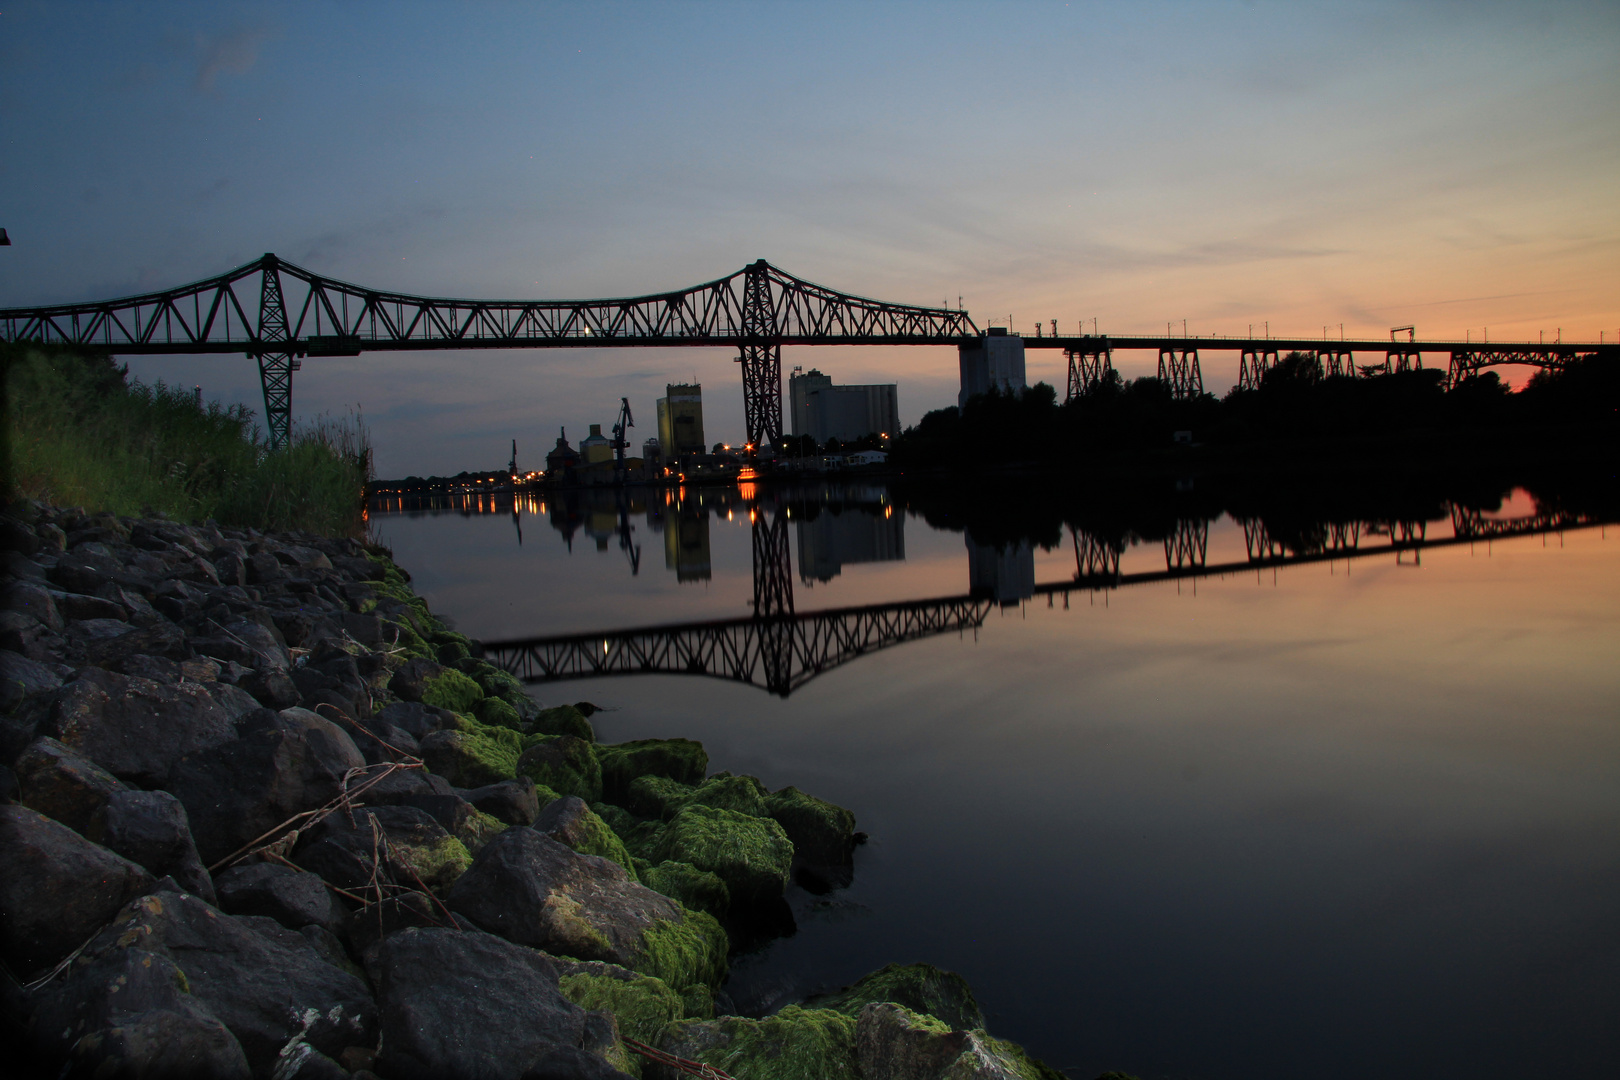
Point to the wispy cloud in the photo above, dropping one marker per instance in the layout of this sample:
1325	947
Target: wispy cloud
234	53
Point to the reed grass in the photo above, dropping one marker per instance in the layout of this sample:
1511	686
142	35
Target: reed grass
78	432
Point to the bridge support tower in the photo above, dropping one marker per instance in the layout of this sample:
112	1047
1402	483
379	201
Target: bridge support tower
1253	365
1178	369
1088	366
1336	362
275	368
761	360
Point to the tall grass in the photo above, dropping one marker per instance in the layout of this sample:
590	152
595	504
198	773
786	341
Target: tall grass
80	434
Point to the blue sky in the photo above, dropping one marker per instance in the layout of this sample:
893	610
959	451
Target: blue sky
1449	165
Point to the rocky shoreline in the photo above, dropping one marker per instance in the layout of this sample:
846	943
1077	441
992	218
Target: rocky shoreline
263	814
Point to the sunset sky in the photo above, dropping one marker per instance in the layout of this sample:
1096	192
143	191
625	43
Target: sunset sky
1454	166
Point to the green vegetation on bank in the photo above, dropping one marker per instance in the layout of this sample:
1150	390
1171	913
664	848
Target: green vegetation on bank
77	432
1293	405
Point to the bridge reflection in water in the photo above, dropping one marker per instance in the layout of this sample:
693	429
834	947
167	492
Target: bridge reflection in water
780	649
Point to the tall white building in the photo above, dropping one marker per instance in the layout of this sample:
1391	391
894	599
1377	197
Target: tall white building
997	360
823	411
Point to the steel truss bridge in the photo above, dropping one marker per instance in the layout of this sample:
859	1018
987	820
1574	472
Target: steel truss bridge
278	313
780	650
1090	357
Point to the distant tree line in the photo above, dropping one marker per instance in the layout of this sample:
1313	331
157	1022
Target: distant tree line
1293	404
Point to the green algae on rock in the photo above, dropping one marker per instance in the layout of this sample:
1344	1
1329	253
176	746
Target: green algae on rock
691	951
562	720
793	1044
452	690
893	1041
751	855
479	829
643	1004
564	763
683	760
697	889
494	712
661	797
820	831
474	754
570	821
922	988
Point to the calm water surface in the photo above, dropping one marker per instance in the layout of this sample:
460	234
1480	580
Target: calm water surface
1347	818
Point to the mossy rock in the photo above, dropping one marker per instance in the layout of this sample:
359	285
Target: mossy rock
820	831
562	720
618	818
474	754
495	682
643	1005
438	860
751	855
1018	1060
723	791
661	797
899	1037
404	636
697	889
656	796
451	652
794	1044
578	826
698	1002
497	713
563	763
480	829
690	951
922	988
679	759
452	690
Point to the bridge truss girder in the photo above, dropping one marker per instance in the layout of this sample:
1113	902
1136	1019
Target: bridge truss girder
1468	363
295	312
777	654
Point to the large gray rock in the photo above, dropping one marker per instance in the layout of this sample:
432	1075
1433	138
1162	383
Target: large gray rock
264	991
32	599
56	888
136	729
294	898
512	801
150	828
533	890
345	849
283	764
107	649
129	1014
458	1004
922	988
60	784
249	643
418	719
895	1043
22	678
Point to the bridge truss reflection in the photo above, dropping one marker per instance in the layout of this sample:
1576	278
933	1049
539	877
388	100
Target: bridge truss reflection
780	649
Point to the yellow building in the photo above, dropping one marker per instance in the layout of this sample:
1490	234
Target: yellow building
680	420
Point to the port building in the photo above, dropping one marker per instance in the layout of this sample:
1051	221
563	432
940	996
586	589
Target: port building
824	410
680	421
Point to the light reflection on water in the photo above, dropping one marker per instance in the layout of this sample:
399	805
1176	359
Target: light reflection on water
1331	819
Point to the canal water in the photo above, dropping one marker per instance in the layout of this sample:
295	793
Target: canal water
1267	792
